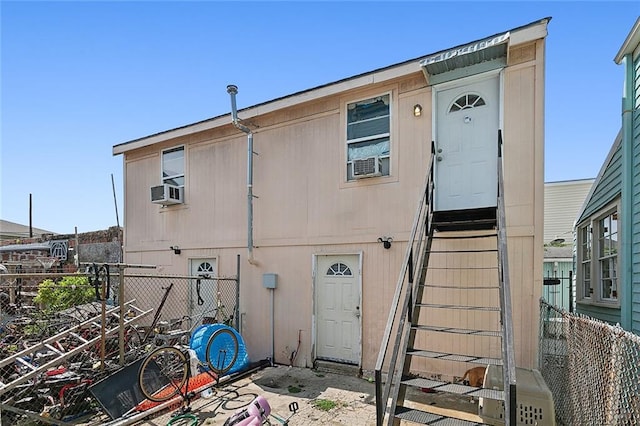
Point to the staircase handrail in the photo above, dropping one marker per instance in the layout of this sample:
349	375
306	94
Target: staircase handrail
508	356
413	256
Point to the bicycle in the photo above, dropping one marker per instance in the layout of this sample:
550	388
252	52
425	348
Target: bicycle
165	372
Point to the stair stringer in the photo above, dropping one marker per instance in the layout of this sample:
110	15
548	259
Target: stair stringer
399	393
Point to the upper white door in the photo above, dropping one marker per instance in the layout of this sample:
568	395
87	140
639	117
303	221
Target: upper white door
203	292
467	146
338	308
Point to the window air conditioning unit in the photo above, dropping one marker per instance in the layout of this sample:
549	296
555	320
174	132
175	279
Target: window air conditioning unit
166	194
366	167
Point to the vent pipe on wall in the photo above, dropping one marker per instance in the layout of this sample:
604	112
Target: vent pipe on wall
232	90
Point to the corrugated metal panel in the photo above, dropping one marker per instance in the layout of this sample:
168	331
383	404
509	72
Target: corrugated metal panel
465	60
607	188
470	54
562	203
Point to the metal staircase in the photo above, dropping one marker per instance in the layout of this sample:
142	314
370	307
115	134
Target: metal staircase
451	311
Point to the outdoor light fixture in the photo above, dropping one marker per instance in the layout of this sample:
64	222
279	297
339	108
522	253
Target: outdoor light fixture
417	110
386	242
176	249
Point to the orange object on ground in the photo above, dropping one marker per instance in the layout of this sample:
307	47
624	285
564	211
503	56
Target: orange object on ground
195	382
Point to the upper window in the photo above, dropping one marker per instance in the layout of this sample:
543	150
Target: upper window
466	101
598	258
173	166
368	137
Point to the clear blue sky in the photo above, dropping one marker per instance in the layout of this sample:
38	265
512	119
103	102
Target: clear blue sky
80	77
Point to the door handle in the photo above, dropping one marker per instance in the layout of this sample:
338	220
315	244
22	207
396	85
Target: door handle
439	158
357	311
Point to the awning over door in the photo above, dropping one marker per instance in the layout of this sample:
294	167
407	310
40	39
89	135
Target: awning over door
462	61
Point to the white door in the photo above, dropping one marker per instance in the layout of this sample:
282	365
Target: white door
467	146
202	293
338	308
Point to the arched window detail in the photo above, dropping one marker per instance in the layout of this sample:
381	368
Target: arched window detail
205	268
339	269
467	101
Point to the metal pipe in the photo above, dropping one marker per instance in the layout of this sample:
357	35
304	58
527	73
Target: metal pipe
232	90
272	327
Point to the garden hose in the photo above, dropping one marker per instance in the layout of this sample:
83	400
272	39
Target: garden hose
186	417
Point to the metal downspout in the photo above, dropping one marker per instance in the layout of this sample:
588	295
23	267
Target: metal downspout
233	90
625	284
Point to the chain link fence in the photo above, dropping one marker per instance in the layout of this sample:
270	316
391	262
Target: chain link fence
61	333
592	369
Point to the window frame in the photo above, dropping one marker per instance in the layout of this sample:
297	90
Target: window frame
347	163
597	257
166	179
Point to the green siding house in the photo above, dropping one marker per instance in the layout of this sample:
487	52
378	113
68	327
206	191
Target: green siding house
608	226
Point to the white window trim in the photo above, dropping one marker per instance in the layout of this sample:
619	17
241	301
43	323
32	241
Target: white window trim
184	165
596	299
391	135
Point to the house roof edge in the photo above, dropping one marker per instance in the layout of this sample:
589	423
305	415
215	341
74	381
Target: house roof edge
360	80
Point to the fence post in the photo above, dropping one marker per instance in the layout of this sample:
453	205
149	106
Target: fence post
236	315
122	314
571	291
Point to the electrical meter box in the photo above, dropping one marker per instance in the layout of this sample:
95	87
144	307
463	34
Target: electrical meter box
269	280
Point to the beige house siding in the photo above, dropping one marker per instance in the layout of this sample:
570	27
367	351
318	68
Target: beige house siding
306	208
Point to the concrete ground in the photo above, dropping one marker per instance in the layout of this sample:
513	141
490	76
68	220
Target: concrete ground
323	398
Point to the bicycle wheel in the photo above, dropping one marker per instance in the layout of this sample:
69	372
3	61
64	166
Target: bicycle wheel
222	350
163	373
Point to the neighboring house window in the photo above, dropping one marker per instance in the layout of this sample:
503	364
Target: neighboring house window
585	263
598	257
368	137
173	166
608	256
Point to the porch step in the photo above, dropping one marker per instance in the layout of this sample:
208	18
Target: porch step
466	331
454	357
338	368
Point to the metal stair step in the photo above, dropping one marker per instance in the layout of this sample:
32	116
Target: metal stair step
466	308
463	237
457	287
458	330
463	251
458	389
464	225
454	357
425	418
